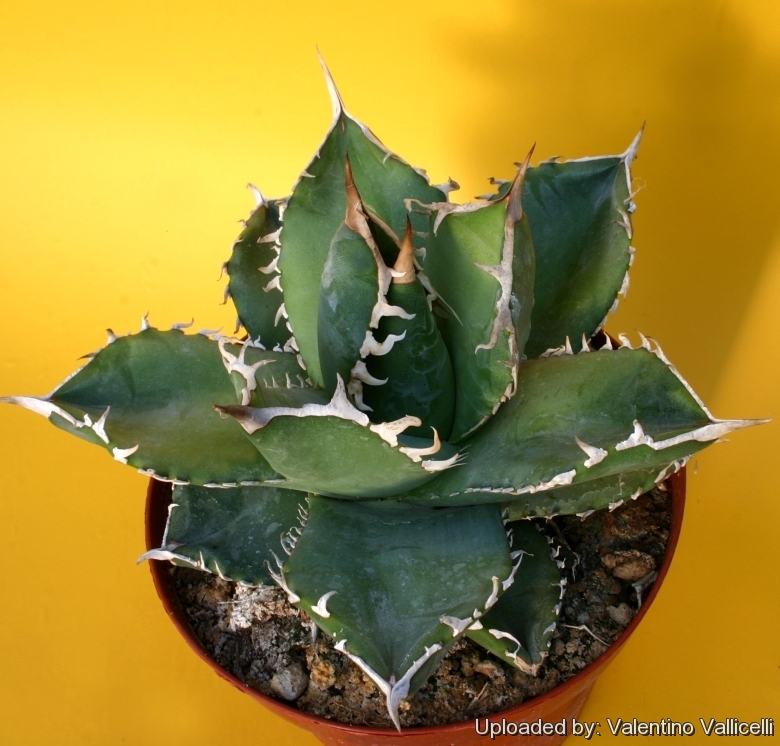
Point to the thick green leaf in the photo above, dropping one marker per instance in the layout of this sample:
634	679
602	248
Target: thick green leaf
519	628
253	276
348	294
234	533
317	208
479	259
334	449
628	408
584	497
148	399
417	370
579	215
395	584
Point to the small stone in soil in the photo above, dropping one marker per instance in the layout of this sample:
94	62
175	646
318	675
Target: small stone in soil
489	669
629	565
290	682
622	614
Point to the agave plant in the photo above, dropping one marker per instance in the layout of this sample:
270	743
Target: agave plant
418	381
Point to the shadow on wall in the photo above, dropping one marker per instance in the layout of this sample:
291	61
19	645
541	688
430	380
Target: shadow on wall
579	78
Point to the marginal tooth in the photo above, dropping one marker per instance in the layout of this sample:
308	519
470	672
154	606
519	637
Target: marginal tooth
257	194
459	626
636	438
121	454
493	597
183	325
99	427
645	342
416	454
433	466
111	336
275	284
219	572
389	431
320	608
270	237
567	350
360	372
608	344
625	222
585	347
383	308
226	295
165	554
281	311
507	584
145	322
371	347
624	287
270	267
355	390
449	186
595	455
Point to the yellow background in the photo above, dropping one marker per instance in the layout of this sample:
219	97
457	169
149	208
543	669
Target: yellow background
127	133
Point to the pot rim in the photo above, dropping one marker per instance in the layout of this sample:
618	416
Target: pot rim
156	513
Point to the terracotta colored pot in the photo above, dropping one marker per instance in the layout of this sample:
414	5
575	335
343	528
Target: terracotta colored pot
564	702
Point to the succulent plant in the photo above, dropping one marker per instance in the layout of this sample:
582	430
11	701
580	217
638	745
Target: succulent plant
418	382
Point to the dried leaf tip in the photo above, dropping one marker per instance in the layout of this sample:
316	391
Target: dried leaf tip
257	194
355	218
514	206
335	98
404	264
631	152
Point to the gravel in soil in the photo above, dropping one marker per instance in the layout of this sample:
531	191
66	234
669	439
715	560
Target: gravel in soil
270	645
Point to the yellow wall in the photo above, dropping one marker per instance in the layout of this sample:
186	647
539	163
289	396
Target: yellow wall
127	133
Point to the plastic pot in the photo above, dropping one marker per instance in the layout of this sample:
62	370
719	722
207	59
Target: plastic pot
562	703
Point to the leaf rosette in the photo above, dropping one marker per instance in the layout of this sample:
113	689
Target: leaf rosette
419	381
